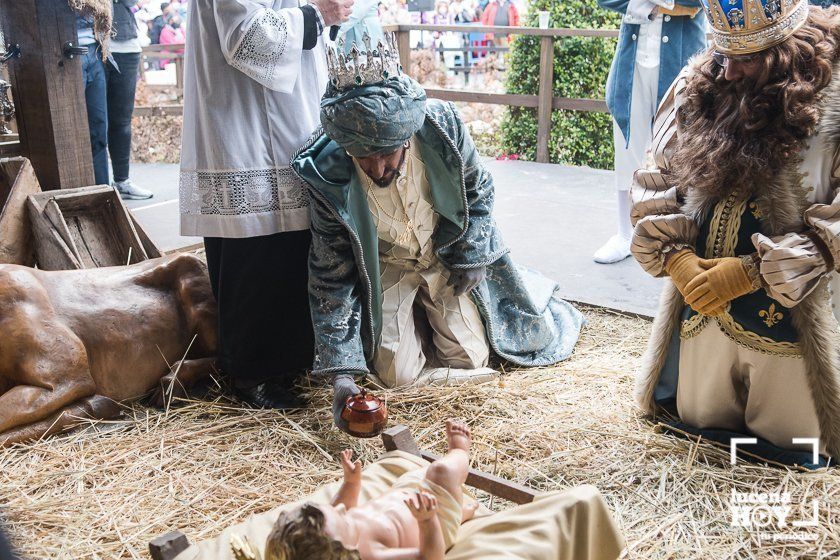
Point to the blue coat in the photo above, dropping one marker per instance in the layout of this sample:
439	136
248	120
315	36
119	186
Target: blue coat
686	36
526	323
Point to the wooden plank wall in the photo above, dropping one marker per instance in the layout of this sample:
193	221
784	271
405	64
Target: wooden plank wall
48	92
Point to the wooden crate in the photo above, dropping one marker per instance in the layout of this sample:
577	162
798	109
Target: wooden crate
88	227
17	181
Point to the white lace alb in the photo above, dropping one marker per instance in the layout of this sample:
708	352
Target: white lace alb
241	192
262	46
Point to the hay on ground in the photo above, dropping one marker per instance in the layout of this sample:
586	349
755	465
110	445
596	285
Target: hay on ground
106	491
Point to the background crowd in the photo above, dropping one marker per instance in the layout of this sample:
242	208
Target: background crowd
166	23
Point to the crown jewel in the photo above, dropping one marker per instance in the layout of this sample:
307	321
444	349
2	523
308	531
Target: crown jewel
749	26
355	67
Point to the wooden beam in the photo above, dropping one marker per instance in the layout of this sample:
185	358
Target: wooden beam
404	46
159	111
10	148
516	100
467	96
399	438
530	31
48	92
179	76
587	105
168	546
454	95
546	98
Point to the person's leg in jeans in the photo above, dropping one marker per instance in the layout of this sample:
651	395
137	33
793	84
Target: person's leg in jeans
95	99
122	84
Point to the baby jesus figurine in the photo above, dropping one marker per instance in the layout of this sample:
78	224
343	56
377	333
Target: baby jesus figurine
418	518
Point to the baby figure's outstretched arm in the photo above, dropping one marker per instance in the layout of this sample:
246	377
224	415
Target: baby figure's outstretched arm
348	494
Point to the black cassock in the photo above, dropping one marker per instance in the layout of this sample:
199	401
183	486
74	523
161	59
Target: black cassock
260	284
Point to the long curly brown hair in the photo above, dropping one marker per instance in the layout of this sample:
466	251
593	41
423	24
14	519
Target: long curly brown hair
741	133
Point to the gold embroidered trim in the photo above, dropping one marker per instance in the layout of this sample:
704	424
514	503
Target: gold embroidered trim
754	341
737	334
751	266
723	229
692	326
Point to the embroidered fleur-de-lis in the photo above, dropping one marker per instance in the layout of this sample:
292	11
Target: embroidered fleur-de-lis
756	211
771	316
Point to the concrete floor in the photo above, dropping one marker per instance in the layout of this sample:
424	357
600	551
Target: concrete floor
552	217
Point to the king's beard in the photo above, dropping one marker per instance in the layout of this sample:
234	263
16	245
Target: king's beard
734	134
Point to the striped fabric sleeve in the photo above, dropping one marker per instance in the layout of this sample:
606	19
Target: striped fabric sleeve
791	265
651	192
824	219
660	225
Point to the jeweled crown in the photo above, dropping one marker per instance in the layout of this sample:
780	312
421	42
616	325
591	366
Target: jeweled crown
749	26
363	64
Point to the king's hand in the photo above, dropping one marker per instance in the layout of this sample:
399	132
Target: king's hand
344	387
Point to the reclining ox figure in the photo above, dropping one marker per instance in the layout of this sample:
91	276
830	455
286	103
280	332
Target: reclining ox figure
74	343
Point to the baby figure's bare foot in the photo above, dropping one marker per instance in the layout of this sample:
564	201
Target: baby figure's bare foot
458	435
468	509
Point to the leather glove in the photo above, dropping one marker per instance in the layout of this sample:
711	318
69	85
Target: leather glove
344	387
725	280
683	267
464	280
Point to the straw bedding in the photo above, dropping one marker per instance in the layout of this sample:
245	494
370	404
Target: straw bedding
105	491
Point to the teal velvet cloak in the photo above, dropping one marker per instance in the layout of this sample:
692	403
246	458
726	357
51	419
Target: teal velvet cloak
526	322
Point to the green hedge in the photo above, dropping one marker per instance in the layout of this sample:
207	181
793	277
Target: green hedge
581	65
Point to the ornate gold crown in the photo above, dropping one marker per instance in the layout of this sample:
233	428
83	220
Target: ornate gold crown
354	67
749	26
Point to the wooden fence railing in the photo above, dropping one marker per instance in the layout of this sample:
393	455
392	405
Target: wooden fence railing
174	53
545	102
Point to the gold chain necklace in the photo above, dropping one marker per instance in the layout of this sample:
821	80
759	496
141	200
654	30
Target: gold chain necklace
405	236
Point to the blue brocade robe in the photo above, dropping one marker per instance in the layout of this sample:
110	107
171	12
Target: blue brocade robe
526	322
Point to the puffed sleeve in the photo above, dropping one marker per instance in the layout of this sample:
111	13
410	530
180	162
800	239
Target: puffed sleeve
660	226
792	265
824	219
263	43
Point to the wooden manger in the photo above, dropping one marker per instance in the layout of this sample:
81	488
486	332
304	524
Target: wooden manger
17	181
398	438
87	227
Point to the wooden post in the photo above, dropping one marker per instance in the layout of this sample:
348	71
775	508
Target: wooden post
48	92
404	46
179	75
546	98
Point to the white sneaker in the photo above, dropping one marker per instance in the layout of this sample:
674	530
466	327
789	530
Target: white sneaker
617	248
452	376
130	191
